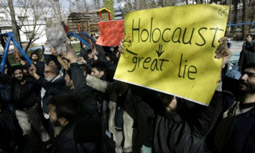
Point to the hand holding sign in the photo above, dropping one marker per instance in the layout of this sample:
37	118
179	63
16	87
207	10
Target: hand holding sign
53	52
70	54
223	51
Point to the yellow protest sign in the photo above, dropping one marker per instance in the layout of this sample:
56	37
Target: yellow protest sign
172	50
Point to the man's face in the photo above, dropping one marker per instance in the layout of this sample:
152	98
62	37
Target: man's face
52	63
96	73
247	81
53	115
18	75
48	74
34	57
249	38
169	103
90	56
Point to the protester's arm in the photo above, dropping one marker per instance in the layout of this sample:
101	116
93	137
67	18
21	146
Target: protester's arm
82	60
19	60
96	83
79	81
32	72
40	81
60	60
97	56
206	117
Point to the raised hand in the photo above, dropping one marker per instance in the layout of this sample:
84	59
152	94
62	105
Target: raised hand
70	54
223	51
53	51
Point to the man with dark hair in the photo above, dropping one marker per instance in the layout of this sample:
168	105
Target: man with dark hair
98	70
64	109
76	135
53	83
39	65
247	54
25	95
235	132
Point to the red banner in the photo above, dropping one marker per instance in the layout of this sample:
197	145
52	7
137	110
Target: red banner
111	33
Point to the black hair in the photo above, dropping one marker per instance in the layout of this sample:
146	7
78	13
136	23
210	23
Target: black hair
33	54
101	66
16	67
67	106
250	65
89	51
84	67
112	57
23	58
251	35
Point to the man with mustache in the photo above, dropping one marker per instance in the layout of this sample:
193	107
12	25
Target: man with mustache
235	132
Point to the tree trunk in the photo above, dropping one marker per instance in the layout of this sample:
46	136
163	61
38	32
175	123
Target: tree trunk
85	6
163	3
187	2
14	23
245	19
235	13
137	4
171	3
97	5
59	11
229	3
251	22
142	4
29	42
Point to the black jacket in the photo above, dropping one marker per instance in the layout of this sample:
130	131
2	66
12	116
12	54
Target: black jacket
185	131
52	88
84	93
22	96
78	137
64	142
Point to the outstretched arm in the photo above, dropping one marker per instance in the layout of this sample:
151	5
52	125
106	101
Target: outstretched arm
79	81
60	60
207	116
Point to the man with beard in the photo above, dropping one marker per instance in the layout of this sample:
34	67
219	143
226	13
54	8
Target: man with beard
235	132
65	111
39	65
247	54
25	95
53	83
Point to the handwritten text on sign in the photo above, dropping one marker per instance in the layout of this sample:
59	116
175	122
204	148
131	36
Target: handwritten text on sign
172	50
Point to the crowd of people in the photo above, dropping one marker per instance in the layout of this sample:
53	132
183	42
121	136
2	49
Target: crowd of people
70	104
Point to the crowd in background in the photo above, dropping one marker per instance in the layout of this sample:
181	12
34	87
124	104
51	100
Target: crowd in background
70	104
